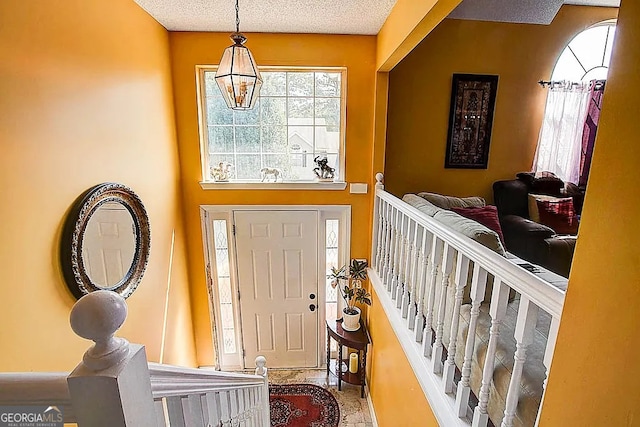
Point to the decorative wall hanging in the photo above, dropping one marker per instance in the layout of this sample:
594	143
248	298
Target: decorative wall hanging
473	98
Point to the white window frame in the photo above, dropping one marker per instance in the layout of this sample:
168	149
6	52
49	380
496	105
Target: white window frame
338	184
209	213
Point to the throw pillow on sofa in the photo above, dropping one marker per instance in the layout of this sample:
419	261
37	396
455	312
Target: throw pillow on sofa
421	204
534	211
559	215
448	202
485	215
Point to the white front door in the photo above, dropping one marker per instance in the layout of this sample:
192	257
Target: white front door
277	261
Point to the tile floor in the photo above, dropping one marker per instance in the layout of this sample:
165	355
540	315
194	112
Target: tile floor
354	411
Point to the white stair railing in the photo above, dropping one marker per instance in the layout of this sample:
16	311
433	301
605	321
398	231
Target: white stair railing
115	386
421	266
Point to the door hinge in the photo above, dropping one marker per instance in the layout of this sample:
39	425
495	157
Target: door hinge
233	229
238	294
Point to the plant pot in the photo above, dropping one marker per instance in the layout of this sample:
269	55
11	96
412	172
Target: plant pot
351	322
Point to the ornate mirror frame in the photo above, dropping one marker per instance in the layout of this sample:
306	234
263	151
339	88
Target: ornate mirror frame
73	268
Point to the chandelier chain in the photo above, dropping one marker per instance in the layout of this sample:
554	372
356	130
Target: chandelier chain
237	17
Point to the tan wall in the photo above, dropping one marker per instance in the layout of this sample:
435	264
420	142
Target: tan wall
595	371
86	98
357	53
420	93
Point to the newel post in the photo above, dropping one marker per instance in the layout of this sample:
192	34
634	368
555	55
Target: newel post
111	386
261	369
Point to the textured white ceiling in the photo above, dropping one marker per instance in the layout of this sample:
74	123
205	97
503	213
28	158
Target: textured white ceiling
519	11
272	16
334	16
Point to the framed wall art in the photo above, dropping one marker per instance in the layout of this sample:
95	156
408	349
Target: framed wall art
473	98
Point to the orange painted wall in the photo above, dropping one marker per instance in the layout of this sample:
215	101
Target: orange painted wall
595	371
420	93
407	24
86	98
397	396
357	53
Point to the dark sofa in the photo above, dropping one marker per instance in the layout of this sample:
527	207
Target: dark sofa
527	239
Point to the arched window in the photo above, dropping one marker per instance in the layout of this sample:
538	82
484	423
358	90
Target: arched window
572	112
587	56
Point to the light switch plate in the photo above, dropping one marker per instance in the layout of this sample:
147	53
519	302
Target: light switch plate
358	188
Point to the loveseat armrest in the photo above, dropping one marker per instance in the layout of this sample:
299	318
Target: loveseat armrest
560	254
522	228
525	238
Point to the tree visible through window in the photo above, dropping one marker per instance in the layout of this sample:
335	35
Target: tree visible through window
298	116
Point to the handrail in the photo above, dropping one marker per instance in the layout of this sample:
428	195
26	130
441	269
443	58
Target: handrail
38	389
168	380
544	294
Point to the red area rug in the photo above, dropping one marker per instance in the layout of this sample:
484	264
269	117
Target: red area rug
302	405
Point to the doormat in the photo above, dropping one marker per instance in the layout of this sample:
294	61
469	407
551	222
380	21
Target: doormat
302	405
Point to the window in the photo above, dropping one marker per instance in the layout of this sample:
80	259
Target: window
587	56
298	116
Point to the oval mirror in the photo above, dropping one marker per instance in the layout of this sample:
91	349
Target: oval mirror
106	241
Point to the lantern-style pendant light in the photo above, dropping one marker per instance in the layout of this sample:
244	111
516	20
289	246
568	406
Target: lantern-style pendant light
238	76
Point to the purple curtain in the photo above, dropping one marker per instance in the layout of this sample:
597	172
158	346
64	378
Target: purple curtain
590	129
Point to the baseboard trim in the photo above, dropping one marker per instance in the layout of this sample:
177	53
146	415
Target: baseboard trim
372	412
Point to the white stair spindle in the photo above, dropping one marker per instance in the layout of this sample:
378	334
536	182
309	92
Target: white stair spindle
233	404
387	245
548	356
478	287
211	403
427	265
193	414
447	266
175	411
408	294
427	337
378	231
403	293
525	326
396	286
225	412
419	266
497	310
393	255
158	406
462	272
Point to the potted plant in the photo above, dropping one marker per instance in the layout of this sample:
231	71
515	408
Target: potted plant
352	292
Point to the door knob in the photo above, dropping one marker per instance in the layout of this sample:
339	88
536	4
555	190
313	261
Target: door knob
312	307
312	296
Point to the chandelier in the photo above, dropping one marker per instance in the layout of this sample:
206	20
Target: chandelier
238	76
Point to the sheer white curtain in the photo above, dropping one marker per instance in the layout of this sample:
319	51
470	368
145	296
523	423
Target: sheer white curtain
560	139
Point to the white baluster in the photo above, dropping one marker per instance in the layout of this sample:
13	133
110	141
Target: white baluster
175	411
409	273
418	268
462	272
525	326
393	255
427	337
233	404
399	264
225	412
427	238
211	402
112	368
386	262
261	369
478	287
447	266
193	415
158	406
497	310
548	356
402	277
